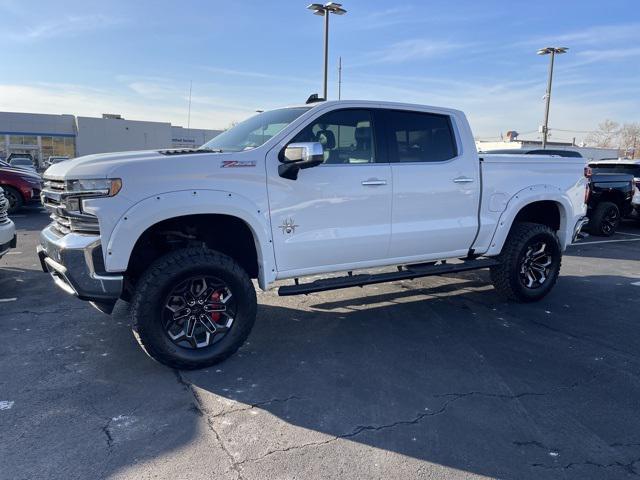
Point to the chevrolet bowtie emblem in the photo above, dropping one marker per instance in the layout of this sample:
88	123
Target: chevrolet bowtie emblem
288	226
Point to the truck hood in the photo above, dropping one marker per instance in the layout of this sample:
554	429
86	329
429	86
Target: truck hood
98	165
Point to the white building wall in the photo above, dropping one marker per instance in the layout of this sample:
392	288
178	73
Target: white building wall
102	135
37	123
191	137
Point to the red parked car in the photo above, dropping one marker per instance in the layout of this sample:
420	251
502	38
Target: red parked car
20	186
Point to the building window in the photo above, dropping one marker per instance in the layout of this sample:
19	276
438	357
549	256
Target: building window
59	146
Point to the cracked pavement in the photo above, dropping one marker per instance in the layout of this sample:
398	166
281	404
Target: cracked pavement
435	378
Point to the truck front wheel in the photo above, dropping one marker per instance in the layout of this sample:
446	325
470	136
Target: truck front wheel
529	263
193	308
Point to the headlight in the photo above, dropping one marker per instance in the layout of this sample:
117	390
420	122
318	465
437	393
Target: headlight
101	187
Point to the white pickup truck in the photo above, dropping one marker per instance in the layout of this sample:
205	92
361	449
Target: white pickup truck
332	186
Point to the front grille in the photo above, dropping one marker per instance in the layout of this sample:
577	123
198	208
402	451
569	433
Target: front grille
53	199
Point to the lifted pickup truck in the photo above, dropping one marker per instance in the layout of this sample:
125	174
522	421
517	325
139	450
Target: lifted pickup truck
299	191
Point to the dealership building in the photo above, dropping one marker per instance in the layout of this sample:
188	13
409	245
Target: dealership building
45	135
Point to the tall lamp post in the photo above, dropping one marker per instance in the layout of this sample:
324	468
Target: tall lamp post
325	10
549	51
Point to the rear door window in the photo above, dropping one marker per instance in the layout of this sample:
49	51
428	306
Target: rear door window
420	137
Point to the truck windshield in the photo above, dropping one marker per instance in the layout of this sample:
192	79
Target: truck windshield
254	131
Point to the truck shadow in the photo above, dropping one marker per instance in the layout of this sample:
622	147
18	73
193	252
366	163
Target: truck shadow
460	379
448	375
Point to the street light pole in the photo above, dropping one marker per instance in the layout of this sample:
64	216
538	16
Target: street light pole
326	54
549	51
325	10
339	78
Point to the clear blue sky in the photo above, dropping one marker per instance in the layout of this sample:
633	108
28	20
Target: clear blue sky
137	58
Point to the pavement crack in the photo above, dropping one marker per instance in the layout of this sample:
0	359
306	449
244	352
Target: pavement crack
288	449
554	452
367	428
234	464
257	405
619	444
515	396
356	431
198	407
107	433
628	467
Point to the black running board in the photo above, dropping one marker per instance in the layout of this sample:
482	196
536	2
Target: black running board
405	273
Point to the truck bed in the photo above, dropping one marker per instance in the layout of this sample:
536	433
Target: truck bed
503	176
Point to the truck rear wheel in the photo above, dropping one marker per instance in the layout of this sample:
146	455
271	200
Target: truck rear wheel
529	263
605	219
193	308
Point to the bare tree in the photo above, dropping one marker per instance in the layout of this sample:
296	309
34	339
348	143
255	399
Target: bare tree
630	139
605	136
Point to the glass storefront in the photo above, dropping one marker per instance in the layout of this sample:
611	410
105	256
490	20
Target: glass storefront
65	146
41	147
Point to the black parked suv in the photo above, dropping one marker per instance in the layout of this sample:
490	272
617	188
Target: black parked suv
610	195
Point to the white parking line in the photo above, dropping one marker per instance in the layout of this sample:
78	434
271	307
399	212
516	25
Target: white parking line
5	300
632	234
636	284
605	241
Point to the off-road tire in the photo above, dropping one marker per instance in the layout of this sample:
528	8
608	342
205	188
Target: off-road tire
16	201
597	224
156	283
506	276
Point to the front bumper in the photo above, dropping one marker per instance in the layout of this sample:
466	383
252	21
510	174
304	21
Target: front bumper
4	247
75	262
582	221
8	237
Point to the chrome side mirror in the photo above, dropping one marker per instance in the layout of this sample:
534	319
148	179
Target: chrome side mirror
298	156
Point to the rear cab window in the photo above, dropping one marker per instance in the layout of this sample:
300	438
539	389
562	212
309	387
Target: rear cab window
419	137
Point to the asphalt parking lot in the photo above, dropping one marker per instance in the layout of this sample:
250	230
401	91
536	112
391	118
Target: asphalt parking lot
435	378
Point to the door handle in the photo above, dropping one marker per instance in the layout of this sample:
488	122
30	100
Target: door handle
373	182
462	180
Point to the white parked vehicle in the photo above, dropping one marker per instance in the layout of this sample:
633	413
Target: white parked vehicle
306	190
7	228
56	159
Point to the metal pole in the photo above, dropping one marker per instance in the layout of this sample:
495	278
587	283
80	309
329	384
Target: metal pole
326	51
189	114
546	109
339	78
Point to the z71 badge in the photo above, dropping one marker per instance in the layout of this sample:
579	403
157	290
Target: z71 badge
237	163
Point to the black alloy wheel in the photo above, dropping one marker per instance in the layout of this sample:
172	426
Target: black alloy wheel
199	312
193	308
535	265
610	220
529	263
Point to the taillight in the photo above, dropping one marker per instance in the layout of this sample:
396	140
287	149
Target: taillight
587	172
637	180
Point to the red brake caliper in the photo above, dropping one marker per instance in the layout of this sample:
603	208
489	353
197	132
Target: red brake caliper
215	316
